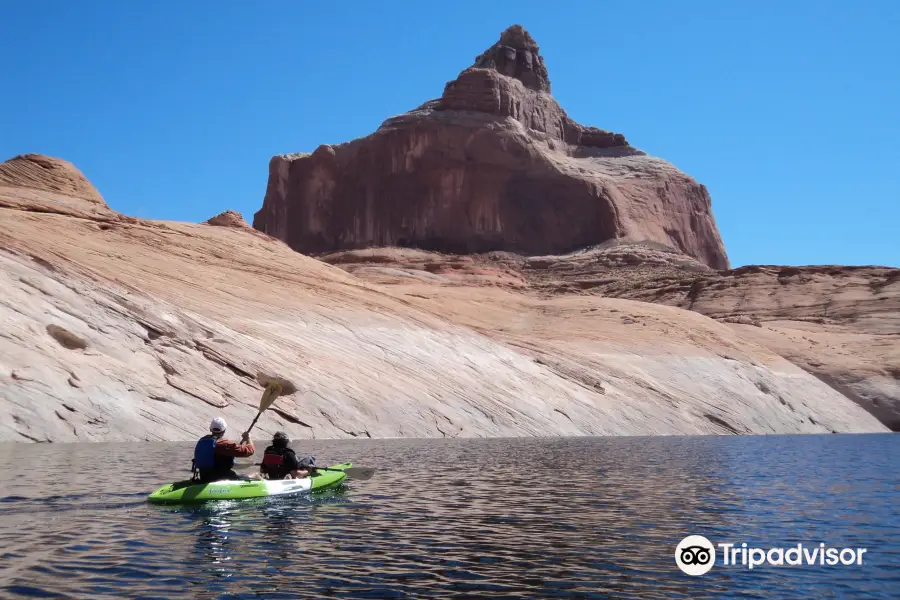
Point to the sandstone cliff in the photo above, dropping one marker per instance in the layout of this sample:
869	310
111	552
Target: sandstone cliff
839	323
493	164
115	328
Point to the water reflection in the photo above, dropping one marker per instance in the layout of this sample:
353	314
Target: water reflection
457	518
213	544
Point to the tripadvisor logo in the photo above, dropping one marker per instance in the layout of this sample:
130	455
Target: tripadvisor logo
696	555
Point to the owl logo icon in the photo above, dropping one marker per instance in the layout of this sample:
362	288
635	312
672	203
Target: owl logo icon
695	555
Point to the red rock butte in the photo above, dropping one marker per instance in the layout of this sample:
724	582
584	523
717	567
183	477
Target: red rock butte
493	164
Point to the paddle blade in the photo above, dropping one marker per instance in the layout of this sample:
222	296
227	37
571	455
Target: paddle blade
359	473
273	390
287	387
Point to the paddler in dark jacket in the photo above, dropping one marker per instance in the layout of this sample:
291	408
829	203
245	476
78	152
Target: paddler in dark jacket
214	456
280	460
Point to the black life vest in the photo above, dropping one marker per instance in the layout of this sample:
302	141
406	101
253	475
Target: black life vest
273	463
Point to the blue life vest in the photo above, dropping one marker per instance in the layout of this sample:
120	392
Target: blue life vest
205	453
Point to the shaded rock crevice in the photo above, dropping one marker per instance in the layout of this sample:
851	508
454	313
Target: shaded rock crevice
66	338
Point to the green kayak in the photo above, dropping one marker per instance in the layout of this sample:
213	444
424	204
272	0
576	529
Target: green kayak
182	492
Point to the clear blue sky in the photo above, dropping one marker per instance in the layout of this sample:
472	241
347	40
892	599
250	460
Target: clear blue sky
789	112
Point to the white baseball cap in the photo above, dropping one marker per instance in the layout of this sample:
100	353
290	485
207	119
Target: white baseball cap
218	425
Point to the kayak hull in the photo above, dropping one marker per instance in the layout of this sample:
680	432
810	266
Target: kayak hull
183	492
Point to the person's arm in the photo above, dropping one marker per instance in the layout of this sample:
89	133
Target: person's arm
293	466
229	448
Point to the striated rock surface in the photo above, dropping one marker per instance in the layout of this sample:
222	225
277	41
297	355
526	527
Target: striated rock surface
494	164
118	329
39	172
838	323
229	218
38	183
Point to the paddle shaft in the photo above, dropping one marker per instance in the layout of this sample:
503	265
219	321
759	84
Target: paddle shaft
272	391
254	421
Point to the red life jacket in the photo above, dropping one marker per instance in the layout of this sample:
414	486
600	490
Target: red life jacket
273	462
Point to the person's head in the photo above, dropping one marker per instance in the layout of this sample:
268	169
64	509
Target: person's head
217	427
280	440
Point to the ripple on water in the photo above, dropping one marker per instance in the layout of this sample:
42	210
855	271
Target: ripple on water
560	518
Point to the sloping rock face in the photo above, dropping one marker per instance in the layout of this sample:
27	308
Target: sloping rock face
39	172
125	329
38	183
494	164
838	323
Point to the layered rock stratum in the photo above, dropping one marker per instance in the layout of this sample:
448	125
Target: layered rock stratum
493	164
840	324
116	328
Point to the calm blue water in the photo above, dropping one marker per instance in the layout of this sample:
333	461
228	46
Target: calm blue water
555	518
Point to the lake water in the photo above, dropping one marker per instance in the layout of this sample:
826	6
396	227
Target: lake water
552	518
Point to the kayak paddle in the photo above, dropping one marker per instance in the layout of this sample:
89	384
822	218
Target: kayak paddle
275	386
360	473
273	390
278	386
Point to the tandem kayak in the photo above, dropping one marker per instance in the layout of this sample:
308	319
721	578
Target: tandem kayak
182	492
